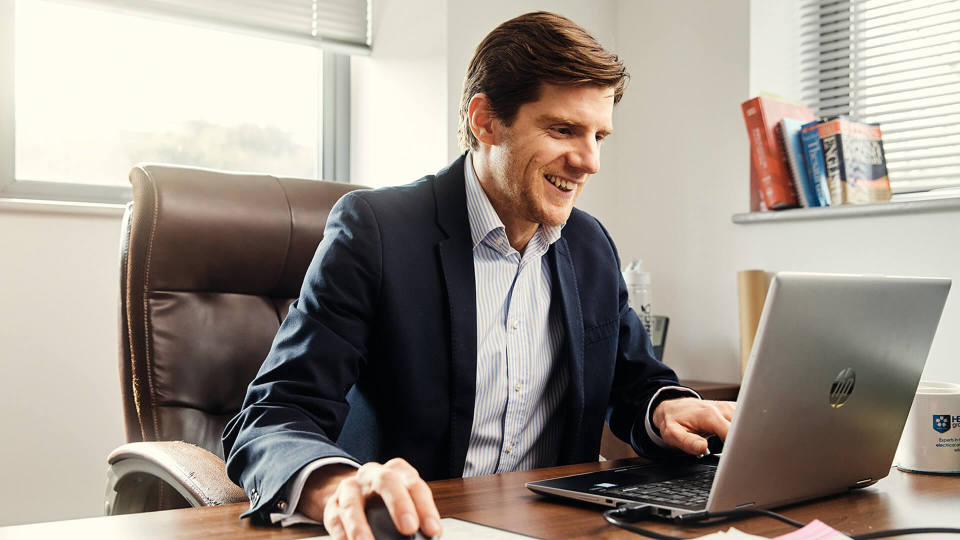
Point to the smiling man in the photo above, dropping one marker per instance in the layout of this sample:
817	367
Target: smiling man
472	322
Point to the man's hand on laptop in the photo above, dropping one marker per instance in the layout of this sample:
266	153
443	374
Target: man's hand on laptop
337	494
684	422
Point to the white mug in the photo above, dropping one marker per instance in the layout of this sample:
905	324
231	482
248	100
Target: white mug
931	436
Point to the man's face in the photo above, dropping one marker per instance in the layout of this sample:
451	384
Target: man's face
543	160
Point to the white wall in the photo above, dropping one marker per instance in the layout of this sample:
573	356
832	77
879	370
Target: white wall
398	131
59	384
682	159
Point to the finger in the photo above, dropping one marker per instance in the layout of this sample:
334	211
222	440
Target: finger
726	408
679	437
392	488
334	529
426	508
331	520
711	419
350	510
400	465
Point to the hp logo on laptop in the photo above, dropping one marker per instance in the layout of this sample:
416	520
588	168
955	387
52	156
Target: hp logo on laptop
842	387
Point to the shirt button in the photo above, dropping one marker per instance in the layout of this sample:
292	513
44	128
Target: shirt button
509	448
516	387
516	324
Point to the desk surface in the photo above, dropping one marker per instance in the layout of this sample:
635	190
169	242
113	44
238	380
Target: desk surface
898	501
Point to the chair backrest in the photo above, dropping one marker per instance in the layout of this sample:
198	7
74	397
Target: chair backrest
210	263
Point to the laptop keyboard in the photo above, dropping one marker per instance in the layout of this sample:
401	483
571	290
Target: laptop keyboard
687	491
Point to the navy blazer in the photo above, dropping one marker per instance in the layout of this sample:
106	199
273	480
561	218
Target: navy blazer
377	358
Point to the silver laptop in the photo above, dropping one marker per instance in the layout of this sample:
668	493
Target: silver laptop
832	374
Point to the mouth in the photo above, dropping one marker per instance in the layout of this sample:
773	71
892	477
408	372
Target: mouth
565	186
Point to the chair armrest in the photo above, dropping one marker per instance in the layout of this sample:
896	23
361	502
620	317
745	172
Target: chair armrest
196	474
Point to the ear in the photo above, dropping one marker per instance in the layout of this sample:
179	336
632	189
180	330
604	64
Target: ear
482	120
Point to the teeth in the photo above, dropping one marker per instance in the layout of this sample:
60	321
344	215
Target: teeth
560	183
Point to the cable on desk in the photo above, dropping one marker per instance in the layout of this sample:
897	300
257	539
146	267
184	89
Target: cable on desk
897	532
700	519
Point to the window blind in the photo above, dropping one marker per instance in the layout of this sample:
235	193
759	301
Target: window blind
337	25
895	62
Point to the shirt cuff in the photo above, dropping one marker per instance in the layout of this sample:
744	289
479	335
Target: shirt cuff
651	432
295	489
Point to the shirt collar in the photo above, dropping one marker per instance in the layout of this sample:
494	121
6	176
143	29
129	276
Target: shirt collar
483	217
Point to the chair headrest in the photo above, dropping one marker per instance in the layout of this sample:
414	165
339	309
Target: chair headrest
225	232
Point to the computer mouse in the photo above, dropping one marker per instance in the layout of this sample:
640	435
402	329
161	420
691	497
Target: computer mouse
381	524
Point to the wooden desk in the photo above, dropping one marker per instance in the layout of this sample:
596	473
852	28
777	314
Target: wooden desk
898	501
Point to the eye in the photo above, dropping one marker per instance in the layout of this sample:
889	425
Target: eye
600	137
562	130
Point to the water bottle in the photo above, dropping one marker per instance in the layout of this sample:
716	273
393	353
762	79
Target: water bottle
638	292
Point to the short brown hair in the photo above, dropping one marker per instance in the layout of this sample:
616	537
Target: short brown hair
517	57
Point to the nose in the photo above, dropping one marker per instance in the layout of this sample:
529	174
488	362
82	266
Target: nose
585	156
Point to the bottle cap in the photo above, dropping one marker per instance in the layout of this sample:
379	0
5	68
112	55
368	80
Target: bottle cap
634	275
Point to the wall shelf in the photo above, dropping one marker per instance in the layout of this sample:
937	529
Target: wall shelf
850	211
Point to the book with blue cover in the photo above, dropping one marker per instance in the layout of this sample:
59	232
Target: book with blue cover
793	150
816	167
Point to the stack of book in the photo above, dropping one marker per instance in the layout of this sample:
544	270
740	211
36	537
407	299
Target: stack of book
797	160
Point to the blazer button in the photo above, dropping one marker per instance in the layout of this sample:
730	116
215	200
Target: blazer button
282	505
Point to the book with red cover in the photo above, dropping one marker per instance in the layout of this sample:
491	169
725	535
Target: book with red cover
761	115
756	193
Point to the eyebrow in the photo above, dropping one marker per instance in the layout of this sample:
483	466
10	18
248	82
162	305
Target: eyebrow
557	119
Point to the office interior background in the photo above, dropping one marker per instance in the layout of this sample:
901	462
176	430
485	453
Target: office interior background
672	176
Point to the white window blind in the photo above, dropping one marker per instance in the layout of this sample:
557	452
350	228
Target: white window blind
897	63
336	25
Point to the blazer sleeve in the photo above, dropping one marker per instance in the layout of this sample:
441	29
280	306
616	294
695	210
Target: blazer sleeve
296	406
638	376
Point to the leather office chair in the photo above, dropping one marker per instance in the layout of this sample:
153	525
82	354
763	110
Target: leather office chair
210	263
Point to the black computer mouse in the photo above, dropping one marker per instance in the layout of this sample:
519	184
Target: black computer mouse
382	524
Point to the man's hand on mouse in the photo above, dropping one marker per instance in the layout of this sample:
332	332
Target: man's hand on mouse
336	495
683	422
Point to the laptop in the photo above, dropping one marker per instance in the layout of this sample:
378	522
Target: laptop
831	377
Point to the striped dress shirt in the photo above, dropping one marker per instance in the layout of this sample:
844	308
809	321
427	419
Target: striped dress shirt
520	384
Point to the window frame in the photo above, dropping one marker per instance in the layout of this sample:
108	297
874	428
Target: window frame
335	129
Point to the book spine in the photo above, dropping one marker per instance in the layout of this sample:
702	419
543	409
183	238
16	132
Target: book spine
833	160
816	168
756	193
778	192
792	172
798	183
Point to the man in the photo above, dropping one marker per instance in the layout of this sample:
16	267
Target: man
472	322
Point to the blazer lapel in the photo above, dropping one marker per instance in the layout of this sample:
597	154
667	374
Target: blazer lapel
456	262
566	295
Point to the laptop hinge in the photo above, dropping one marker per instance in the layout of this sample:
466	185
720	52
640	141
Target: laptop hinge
744	505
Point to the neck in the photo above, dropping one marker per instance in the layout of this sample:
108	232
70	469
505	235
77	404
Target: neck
519	230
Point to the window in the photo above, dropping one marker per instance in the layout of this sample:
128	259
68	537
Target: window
895	62
95	91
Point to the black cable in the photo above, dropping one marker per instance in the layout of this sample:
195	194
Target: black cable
704	518
701	519
633	512
697	519
896	532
